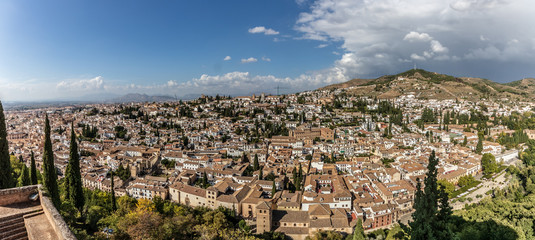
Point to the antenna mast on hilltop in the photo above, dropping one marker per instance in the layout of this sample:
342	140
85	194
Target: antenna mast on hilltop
415	66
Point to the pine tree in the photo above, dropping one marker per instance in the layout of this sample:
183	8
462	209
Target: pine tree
49	170
24	179
33	170
256	165
113	201
358	233
6	175
73	177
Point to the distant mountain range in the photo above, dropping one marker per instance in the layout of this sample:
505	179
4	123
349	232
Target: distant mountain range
429	85
137	97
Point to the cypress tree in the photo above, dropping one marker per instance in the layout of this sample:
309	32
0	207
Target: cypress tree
260	174
33	170
431	221
49	170
204	179
73	177
273	190
6	175
113	201
256	165
358	233
479	146
24	179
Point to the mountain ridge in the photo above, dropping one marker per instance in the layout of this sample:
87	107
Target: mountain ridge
432	85
140	97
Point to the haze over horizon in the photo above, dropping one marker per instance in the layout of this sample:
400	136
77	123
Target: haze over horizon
66	50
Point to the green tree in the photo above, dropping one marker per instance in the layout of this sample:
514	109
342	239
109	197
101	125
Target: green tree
113	201
73	177
358	233
430	221
465	141
261	174
465	180
33	170
448	187
24	179
479	146
6	175
488	163
273	189
49	170
256	165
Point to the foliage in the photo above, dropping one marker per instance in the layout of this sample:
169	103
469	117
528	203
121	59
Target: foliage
428	116
49	169
168	163
511	141
358	233
6	176
479	146
325	235
33	170
73	177
465	180
387	161
448	187
488	163
123	173
24	179
120	132
432	216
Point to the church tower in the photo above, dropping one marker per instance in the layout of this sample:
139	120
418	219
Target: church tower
264	215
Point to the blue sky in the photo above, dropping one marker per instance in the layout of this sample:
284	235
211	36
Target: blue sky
69	49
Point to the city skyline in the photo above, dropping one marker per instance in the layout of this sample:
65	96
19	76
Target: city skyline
61	50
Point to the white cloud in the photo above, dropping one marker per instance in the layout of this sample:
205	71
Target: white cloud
415	56
249	60
264	30
437	47
322	45
473	5
415	36
172	83
83	84
227	58
266	59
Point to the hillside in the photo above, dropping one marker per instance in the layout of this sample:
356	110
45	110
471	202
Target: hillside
429	85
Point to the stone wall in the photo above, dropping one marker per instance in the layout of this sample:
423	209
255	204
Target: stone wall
54	217
16	195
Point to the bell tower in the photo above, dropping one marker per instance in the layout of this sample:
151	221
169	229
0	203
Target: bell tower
264	215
